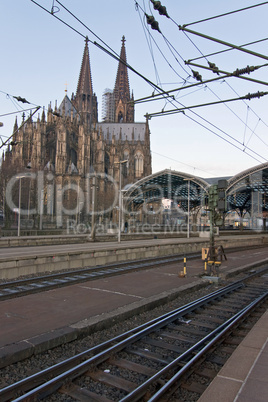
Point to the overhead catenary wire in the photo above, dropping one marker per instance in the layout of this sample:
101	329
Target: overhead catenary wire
252	110
238	73
17	111
177	110
199	116
225	139
234	73
196	115
227	13
245	128
182	163
23	123
228	50
238	117
112	53
159	89
169	45
151	50
222	42
253	132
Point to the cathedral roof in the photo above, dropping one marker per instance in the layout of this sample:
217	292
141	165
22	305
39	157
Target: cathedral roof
66	107
125	131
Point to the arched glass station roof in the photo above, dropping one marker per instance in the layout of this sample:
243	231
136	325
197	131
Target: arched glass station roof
167	184
246	191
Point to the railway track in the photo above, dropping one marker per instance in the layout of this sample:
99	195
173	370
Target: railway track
153	360
35	284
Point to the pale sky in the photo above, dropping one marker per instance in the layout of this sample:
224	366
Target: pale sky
40	56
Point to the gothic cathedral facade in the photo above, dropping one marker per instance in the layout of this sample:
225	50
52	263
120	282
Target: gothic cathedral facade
70	144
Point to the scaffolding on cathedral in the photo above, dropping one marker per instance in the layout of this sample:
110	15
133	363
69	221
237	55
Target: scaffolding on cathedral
108	106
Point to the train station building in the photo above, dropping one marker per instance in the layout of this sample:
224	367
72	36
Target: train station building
166	198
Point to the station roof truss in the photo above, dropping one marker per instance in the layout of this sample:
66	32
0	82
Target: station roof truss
248	190
167	184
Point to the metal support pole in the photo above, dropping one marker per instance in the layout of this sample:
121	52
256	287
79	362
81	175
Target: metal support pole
188	221
19	207
120	199
120	205
93	225
212	240
41	210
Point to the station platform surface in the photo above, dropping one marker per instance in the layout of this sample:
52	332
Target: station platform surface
34	323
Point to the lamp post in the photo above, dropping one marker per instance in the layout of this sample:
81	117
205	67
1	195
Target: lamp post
93	225
120	198
188	208
20	177
188	221
19	206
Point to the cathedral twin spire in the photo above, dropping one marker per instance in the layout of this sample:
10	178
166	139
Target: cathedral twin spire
85	100
84	85
124	110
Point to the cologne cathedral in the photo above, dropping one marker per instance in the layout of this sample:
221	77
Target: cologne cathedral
70	143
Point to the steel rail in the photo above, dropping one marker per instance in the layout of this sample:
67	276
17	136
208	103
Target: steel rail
37	378
86	274
216	335
82	367
46	282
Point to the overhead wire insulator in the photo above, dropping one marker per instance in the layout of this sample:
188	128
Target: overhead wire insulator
56	114
151	21
246	70
197	76
255	95
213	67
20	99
161	9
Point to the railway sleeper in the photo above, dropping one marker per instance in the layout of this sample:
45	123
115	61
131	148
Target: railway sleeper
136	367
150	355
190	330
205	372
228	349
178	337
234	341
165	345
213	319
194	387
216	360
82	394
112	380
202	324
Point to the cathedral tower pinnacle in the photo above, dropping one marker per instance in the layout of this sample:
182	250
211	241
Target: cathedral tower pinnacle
85	100
124	110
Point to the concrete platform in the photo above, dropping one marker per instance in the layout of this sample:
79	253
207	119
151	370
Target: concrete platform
244	377
34	323
34	259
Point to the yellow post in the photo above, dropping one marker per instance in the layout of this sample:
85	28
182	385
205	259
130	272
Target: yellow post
184	266
205	257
